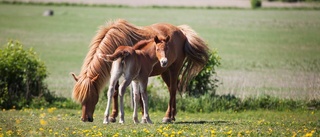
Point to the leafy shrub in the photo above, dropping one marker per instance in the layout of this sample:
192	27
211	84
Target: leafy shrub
256	4
22	77
205	81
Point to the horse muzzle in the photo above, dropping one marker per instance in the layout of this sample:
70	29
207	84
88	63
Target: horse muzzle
89	119
164	62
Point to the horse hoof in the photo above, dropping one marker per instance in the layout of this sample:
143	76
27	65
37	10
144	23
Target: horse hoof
166	120
105	121
112	120
135	120
143	121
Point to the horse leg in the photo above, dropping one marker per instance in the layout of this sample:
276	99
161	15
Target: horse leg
136	98
115	108
109	94
144	96
122	88
166	78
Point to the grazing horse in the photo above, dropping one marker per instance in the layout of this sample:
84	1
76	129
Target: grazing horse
189	57
136	66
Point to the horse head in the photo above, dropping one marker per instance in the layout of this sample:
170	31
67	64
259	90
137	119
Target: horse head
162	49
87	94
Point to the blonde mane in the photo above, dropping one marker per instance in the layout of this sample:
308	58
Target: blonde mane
95	72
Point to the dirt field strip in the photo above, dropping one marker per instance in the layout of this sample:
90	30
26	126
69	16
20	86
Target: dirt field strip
196	3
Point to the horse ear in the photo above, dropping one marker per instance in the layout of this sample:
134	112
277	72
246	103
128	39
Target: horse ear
95	78
75	77
167	38
156	39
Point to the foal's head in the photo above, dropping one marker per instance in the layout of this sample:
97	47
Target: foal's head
162	49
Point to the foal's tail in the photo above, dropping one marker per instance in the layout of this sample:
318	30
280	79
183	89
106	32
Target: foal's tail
115	55
196	56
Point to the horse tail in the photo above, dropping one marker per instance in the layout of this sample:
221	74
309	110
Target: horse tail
196	56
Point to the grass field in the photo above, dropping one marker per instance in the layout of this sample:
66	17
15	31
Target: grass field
60	122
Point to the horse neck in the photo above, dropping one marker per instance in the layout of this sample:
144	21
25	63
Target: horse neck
149	53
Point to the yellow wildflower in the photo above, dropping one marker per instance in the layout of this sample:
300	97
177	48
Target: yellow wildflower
43	115
9	132
43	122
18	121
50	110
146	130
229	132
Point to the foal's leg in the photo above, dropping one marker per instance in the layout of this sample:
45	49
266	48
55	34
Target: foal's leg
122	88
144	96
115	108
112	84
136	98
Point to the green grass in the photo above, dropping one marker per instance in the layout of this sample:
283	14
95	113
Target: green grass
63	122
273	52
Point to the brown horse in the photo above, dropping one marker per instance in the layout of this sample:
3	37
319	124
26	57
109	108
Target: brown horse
136	64
191	54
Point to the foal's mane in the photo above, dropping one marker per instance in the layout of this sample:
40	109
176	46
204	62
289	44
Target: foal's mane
107	39
141	44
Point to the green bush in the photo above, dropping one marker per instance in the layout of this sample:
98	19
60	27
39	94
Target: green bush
22	77
205	82
256	4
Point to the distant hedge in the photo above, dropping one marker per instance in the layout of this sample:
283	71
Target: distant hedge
22	77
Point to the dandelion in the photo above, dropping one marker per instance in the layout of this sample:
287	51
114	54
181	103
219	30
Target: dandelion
116	135
213	132
173	133
270	130
310	134
134	131
41	129
165	134
159	130
43	122
50	110
42	115
146	130
179	132
229	132
18	121
9	132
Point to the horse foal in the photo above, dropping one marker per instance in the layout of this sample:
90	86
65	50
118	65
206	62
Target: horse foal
136	64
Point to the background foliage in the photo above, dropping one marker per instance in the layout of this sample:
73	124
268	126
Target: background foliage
22	77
